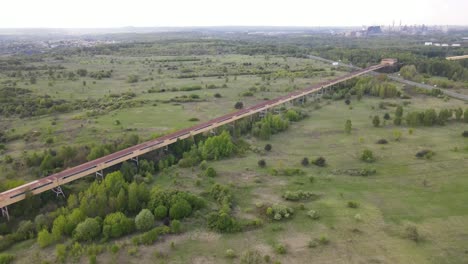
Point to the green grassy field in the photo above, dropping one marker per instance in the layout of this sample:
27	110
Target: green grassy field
428	194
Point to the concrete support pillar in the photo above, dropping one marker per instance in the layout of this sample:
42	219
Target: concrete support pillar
5	213
99	176
135	159
58	191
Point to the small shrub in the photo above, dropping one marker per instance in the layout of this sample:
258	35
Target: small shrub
6	258
425	153
347	101
176	226
353	204
367	156
193	119
239	105
280	249
305	162
49	141
217	95
320	161
386	116
268	146
311	179
114	249
382	141
210	172
251	257
230	253
413	233
323	240
312	243
203	165
313	214
262	163
465	133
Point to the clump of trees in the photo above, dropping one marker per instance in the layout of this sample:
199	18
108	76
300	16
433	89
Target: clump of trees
269	125
279	211
299	195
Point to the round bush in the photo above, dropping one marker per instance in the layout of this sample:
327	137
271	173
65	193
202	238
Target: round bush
320	161
382	141
210	172
262	163
144	220
305	162
367	156
268	146
180	209
465	133
239	105
160	212
87	230
176	226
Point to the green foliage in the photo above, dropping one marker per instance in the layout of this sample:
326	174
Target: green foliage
133	78
313	214
299	195
251	257
268	147
87	230
144	220
280	249
376	121
239	105
412	233
223	222
6	258
269	125
261	163
151	236
45	238
230	253
382	141
160	212
353	204
425	153
348	126
279	212
367	156
320	161
293	116
176	226
180	209
210	172
217	147
61	252
116	225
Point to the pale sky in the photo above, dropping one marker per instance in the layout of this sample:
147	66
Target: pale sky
154	13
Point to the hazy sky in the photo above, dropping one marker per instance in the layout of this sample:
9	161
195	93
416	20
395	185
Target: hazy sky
120	13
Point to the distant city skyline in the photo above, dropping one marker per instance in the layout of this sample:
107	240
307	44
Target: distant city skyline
180	13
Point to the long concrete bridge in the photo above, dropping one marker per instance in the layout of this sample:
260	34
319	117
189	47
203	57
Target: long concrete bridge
55	181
